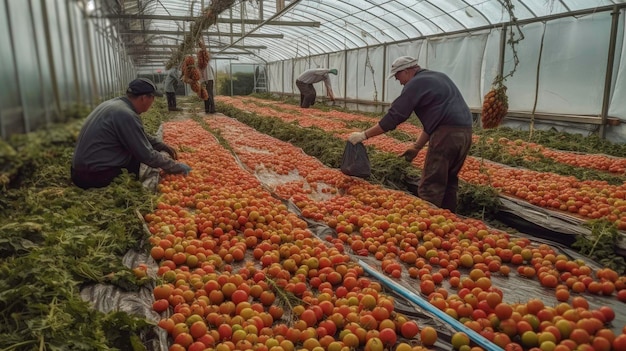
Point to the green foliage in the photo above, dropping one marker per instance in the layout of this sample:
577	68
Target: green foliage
122	330
242	84
155	116
10	164
559	140
74	112
45	155
600	245
532	159
55	238
478	201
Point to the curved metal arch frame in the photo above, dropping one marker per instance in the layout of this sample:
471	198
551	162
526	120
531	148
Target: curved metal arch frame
452	17
375	15
334	37
322	48
480	12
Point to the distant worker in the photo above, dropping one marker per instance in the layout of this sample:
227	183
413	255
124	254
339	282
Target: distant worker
207	77
447	128
305	84
171	83
113	138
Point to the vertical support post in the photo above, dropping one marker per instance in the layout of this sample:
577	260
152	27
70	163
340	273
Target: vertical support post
110	56
230	74
16	70
261	10
68	13
608	79
382	105
38	54
94	87
104	82
230	13
345	78
50	55
505	28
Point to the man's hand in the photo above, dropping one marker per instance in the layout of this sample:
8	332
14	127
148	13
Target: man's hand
357	137
171	151
185	169
410	154
164	147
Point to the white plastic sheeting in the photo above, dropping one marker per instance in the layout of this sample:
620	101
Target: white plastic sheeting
335	25
562	67
562	58
347	24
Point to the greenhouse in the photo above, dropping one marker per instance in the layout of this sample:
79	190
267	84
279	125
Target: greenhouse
313	175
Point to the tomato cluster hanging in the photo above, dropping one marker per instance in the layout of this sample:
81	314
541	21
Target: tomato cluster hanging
495	107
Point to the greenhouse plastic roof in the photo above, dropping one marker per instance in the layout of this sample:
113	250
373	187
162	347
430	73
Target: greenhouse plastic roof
259	31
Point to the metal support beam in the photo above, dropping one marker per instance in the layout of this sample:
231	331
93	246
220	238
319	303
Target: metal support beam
219	20
250	34
166	54
173	46
217	34
160	64
608	80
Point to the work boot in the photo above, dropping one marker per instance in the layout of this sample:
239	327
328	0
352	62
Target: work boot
175	109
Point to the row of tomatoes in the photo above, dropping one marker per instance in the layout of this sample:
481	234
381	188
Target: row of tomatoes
394	214
584	199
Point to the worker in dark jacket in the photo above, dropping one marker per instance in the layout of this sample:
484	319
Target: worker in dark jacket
113	138
171	82
447	123
305	84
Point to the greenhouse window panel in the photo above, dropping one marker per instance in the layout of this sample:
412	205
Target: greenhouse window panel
371	19
410	19
463	13
393	25
493	11
575	5
541	9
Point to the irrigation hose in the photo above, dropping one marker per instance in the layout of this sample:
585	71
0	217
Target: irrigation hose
458	326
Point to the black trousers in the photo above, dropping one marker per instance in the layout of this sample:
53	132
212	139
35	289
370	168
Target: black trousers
171	100
307	94
100	179
209	104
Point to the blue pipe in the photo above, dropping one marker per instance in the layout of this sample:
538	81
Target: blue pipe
474	336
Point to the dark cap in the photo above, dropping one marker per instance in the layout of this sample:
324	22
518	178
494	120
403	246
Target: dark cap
143	86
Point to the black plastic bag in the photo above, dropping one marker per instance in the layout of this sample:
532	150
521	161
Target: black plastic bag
355	162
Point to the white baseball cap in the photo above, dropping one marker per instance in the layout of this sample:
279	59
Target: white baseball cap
400	64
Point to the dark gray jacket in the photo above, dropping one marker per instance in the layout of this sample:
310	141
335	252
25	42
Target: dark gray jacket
113	134
434	98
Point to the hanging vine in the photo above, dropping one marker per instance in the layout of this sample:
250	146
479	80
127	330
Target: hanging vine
208	18
532	116
368	64
496	102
